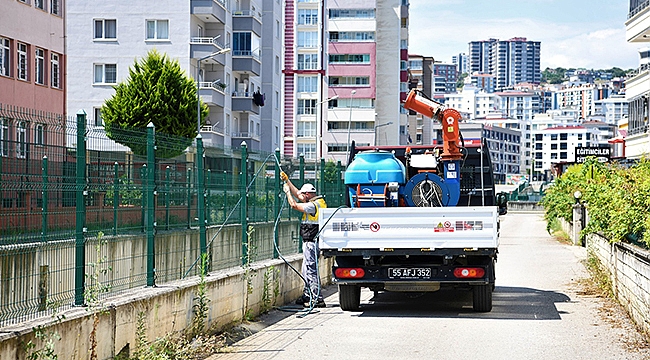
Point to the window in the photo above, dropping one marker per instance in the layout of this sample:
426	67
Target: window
335	36
277	29
579	136
308	39
55	7
405	22
563	155
349	58
306	106
4	137
563	146
54	70
351	14
538	155
553	156
39	66
39	134
348	80
39	4
21	140
563	136
308	150
553	136
105	74
306	129
105	29
538	146
277	100
22	61
4	57
307	83
308	17
157	29
307	61
553	146
98	117
403	44
241	43
277	64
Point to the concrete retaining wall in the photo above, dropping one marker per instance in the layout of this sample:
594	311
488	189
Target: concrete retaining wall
524	206
166	309
629	269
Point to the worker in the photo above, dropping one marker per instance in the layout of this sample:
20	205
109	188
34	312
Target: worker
309	205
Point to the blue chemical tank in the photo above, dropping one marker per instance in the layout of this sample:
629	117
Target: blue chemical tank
368	177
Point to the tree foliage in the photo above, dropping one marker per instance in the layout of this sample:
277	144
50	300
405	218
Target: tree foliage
157	91
617	199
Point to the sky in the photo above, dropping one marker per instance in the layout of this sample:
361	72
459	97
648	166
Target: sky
573	33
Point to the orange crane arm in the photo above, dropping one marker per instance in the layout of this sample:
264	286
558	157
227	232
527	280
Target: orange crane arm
449	119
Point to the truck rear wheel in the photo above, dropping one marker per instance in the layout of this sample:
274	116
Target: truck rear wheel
482	298
349	297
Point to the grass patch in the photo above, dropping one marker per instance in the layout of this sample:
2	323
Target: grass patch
555	229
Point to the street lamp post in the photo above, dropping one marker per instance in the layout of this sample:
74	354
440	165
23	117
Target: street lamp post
198	85
378	126
349	126
318	122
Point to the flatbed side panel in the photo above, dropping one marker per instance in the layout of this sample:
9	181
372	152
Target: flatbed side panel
409	227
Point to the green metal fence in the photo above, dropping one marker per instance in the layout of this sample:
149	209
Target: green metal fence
71	198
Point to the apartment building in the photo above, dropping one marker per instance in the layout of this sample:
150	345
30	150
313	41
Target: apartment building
449	74
220	46
304	88
485	82
462	63
637	88
367	75
422	78
582	97
557	144
614	108
511	61
32	80
473	102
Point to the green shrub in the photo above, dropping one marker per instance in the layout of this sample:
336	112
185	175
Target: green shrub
617	199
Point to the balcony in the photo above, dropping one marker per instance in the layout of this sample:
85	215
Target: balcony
244	102
204	46
209	11
246	61
247	20
252	141
638	23
212	93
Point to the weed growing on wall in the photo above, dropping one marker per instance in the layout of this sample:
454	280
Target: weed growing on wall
201	301
46	336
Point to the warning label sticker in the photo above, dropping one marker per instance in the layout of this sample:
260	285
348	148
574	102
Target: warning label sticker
444	227
469	225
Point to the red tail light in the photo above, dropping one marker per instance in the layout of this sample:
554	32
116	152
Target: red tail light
349	273
471	272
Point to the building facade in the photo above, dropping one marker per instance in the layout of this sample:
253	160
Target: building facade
367	73
637	88
512	61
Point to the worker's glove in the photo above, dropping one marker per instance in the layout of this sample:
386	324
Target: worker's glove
283	176
286	189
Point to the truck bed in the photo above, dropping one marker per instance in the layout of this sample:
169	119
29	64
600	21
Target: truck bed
429	228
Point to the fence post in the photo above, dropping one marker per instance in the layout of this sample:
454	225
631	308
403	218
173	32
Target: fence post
80	219
116	195
200	195
301	169
189	197
167	190
151	204
243	176
143	198
276	202
44	213
208	210
225	197
340	189
321	182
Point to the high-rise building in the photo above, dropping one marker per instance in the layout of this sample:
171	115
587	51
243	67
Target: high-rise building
421	71
511	61
367	72
450	75
226	49
304	88
462	63
637	87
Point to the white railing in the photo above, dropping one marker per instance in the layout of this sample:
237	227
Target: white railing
247	13
207	41
246	94
214	85
255	53
245	135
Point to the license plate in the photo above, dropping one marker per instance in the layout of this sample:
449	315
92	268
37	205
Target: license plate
409	273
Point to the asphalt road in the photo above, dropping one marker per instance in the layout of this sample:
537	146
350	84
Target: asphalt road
540	312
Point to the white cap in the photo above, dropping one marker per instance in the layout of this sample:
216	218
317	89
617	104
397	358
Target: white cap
307	188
